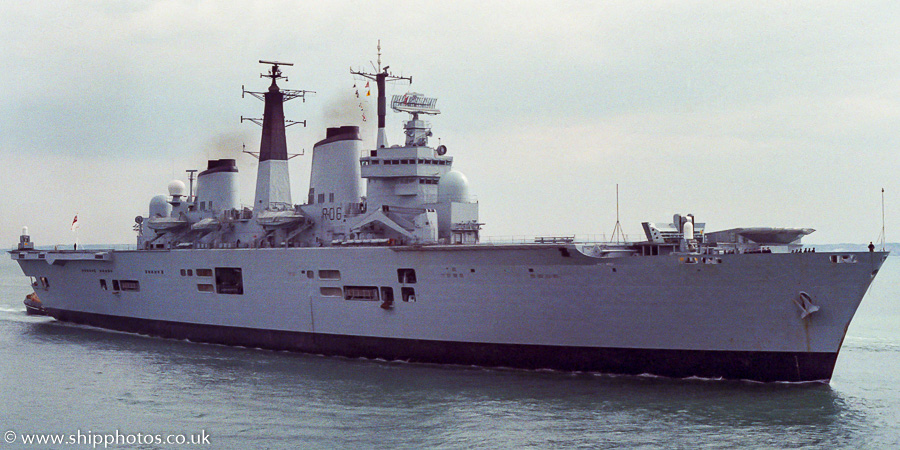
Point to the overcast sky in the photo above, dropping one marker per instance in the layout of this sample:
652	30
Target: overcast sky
744	113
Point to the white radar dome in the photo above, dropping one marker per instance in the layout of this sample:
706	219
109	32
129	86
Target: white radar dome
453	187
177	188
159	207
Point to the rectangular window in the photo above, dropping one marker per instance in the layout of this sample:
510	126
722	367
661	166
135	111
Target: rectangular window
204	272
116	285
103	285
229	280
387	294
329	274
130	285
190	272
406	276
331	292
369	293
205	288
408	293
331	197
45	282
321	198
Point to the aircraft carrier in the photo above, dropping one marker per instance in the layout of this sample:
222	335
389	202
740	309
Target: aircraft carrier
398	272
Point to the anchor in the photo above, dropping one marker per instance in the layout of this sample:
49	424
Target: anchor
804	302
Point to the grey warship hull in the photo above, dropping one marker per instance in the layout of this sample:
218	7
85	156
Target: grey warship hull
397	271
533	306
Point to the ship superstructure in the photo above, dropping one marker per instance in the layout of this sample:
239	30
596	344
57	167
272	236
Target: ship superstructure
397	271
413	195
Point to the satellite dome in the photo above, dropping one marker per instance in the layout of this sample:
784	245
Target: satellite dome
453	187
159	207
177	188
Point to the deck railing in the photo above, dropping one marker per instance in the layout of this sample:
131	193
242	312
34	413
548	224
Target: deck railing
562	238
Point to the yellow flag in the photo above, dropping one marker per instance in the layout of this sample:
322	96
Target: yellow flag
368	93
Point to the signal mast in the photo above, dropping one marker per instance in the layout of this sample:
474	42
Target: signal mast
380	76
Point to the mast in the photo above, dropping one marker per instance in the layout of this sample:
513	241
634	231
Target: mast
273	144
381	76
882	237
273	185
617	233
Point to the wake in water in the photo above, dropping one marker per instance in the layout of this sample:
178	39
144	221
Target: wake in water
18	315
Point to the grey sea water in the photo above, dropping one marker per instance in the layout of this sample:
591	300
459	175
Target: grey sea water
72	380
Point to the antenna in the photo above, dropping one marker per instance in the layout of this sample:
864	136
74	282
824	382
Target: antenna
275	74
617	231
191	179
882	237
380	76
